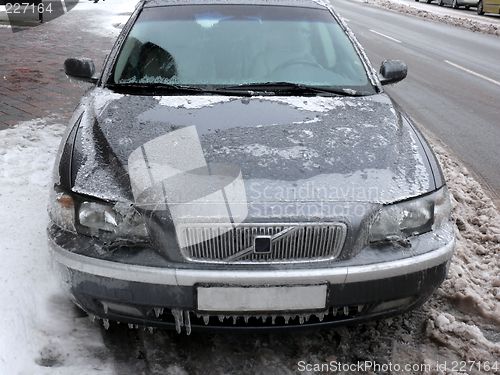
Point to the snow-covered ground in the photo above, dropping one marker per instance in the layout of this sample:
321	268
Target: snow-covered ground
460	18
39	325
43	333
468	320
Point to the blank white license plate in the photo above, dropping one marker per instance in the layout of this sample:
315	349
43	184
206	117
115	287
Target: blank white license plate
265	298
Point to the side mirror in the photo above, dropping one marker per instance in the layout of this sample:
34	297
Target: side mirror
80	68
392	71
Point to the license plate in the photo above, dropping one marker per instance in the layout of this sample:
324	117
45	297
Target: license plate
263	298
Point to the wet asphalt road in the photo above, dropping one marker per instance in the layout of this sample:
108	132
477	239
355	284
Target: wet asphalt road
453	83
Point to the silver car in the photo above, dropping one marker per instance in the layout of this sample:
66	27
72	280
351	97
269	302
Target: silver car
237	164
455	4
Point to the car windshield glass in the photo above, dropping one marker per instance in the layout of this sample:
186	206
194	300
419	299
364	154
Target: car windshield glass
220	46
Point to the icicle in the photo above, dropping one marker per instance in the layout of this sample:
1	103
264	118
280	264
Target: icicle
287	318
187	322
206	319
158	311
105	322
246	318
221	318
360	308
334	311
137	326
198	316
179	320
301	319
320	317
130	326
346	310
327	311
151	330
264	318
92	318
234	319
105	306
117	322
273	319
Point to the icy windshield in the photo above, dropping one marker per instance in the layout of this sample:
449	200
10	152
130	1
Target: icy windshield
220	45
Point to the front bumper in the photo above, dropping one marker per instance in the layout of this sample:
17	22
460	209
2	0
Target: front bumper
167	297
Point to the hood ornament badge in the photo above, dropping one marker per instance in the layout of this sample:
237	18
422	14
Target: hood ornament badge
262	244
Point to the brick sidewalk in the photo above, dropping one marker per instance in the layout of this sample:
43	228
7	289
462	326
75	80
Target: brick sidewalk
33	83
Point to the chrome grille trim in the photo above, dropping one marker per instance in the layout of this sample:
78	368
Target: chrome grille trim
290	243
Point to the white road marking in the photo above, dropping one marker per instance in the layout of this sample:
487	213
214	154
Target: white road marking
473	73
386	36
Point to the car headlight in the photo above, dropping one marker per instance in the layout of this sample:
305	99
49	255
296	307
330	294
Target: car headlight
121	219
95	218
412	217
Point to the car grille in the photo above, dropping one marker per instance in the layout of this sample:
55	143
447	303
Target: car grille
301	242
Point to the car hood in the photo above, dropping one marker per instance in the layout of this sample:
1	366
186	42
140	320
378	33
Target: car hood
209	151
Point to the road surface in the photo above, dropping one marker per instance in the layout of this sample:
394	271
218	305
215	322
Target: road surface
453	85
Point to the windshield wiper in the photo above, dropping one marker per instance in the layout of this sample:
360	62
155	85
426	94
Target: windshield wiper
251	89
167	88
271	88
154	88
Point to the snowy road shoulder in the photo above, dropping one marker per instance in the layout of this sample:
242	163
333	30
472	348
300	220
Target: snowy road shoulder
470	325
41	329
435	13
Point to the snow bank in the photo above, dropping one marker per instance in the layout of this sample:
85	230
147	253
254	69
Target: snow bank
467	23
41	329
470	324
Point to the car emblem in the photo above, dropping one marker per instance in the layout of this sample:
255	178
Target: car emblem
262	244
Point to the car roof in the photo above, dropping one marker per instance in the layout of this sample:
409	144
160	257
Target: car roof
297	3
